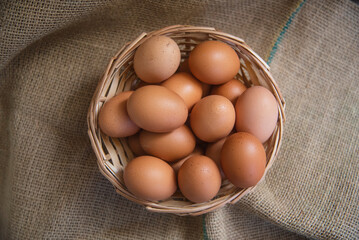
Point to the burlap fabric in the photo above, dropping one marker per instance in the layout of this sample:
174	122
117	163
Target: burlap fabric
52	54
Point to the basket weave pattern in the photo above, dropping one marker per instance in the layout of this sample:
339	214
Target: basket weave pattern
114	153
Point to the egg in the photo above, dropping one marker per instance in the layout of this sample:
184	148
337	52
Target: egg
176	165
213	62
169	146
231	90
212	118
134	144
206	88
186	86
113	119
243	159
157	109
199	179
150	178
213	151
156	59
257	112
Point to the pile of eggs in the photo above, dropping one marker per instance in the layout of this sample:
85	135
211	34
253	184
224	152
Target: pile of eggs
191	124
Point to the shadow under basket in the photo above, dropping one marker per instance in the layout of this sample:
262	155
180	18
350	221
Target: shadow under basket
114	153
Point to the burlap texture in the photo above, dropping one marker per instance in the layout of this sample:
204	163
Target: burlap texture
52	55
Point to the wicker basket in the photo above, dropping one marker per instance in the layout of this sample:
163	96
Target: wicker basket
113	153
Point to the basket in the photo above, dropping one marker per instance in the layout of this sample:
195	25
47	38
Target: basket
114	153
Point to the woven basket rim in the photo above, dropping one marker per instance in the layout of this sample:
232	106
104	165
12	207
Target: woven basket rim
122	56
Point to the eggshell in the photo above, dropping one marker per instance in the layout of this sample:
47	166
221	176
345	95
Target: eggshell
176	165
213	62
231	90
212	118
156	59
134	144
157	109
257	112
150	178
213	151
243	159
206	88
186	86
113	119
199	179
169	146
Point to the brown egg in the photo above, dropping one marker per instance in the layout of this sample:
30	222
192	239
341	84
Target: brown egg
176	165
169	146
212	118
156	59
199	179
213	151
157	109
113	119
213	62
186	86
150	178
206	88
257	112
134	143
243	159
231	90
